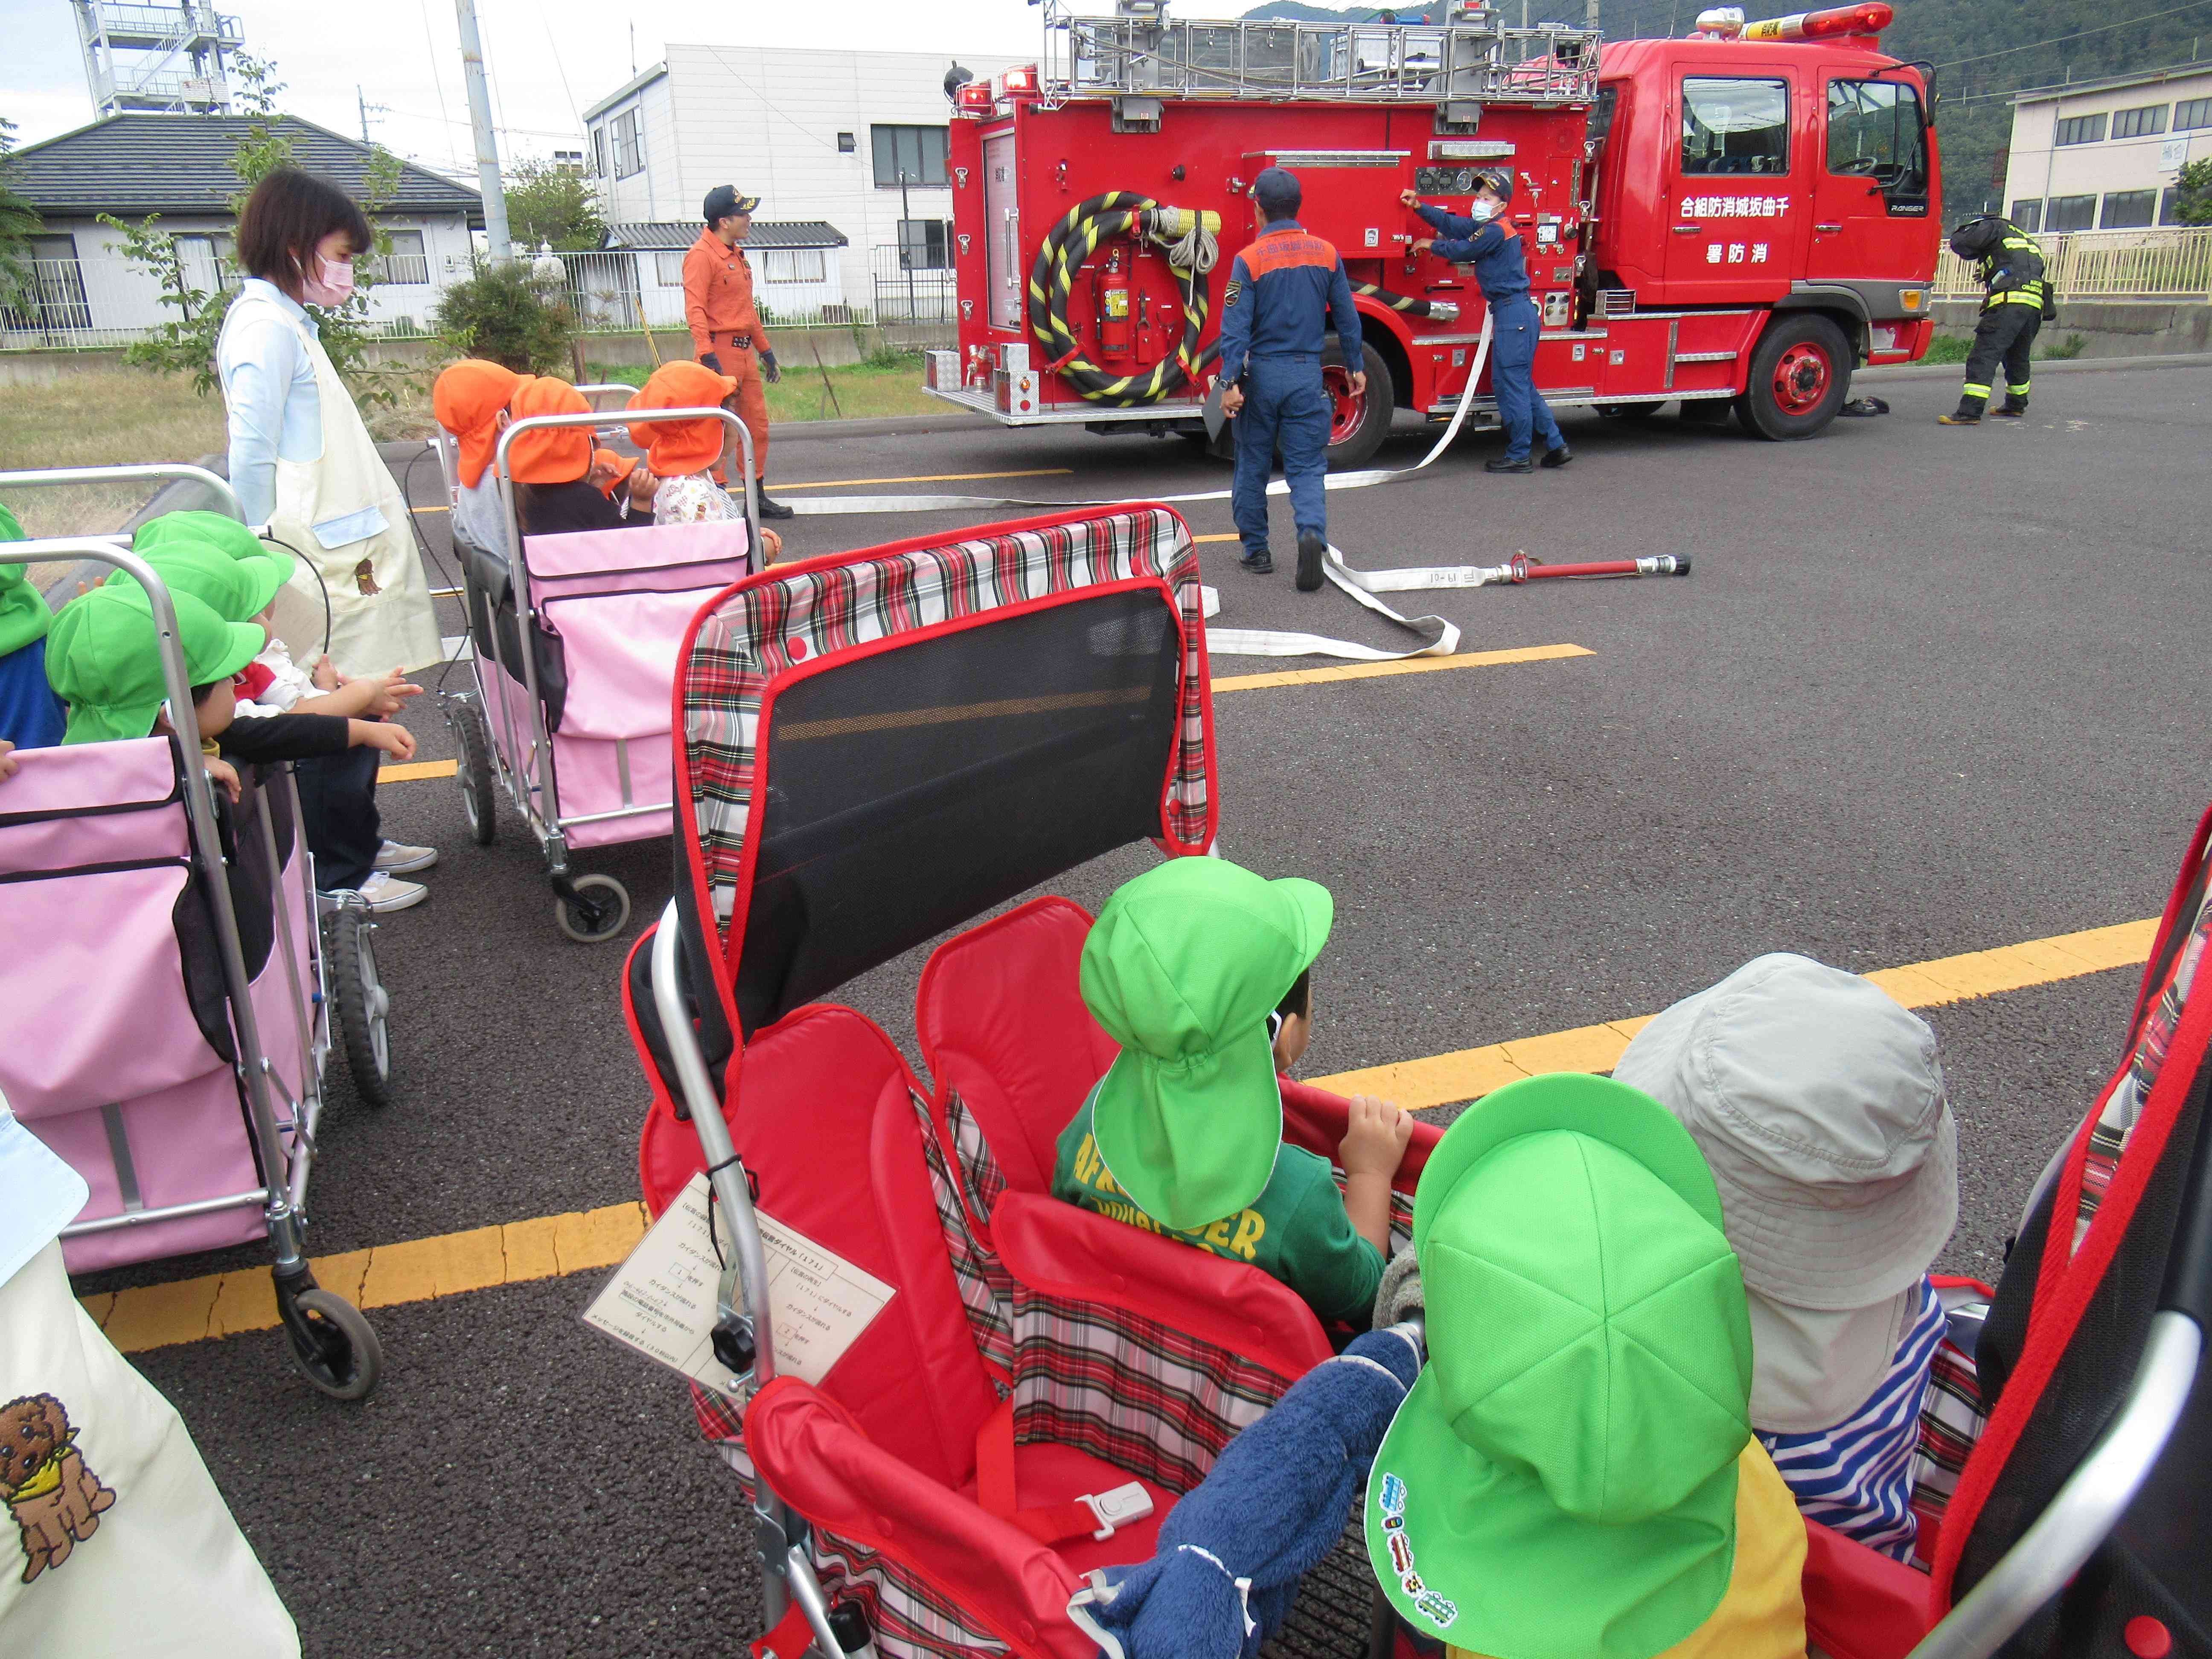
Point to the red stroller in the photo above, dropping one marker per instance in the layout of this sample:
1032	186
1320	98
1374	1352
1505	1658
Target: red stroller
874	747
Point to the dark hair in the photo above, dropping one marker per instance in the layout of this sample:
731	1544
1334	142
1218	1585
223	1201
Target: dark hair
200	692
288	213
1297	1001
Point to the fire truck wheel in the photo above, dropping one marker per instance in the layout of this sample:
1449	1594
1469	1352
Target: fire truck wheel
1358	425
1800	375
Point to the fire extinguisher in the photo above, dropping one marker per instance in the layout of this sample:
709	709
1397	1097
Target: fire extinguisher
1109	297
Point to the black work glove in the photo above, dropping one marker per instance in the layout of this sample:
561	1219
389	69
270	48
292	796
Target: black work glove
712	361
769	372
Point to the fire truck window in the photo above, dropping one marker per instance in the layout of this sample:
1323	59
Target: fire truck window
1600	115
1874	132
1735	126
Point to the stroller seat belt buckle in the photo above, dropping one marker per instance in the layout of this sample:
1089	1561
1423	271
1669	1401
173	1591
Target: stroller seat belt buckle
1118	1507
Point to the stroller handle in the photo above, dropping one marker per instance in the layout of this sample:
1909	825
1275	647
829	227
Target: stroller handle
2088	1507
173	471
206	847
746	1277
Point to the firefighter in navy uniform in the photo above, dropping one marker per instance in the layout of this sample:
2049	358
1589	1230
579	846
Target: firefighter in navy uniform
1494	248
2010	265
1281	289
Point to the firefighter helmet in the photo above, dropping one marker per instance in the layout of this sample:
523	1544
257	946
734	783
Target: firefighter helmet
1979	237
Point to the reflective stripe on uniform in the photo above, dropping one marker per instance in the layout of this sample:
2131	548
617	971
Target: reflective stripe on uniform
2020	390
1970	390
2029	293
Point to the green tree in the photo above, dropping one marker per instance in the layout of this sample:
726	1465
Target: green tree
2192	201
185	343
19	222
503	313
555	205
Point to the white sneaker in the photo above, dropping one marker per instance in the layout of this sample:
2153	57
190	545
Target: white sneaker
398	858
384	893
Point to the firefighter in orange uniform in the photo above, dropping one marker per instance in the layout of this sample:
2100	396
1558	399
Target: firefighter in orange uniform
726	328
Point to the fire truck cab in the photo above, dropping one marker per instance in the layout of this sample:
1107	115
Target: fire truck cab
1735	220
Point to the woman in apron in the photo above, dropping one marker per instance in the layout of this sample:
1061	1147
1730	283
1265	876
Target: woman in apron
300	459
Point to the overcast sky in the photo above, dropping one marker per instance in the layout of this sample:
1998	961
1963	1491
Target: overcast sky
548	58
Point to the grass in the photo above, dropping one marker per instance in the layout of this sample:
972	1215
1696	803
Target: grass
1953	347
887	383
101	417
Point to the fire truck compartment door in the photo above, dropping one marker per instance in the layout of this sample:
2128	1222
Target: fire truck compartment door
1002	224
1737	208
1349	197
1869	193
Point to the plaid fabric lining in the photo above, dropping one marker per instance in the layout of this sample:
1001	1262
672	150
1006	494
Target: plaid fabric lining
1951	1421
986	1290
749	639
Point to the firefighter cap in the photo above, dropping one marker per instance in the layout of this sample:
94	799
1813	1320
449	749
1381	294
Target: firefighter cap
1278	193
1498	181
723	201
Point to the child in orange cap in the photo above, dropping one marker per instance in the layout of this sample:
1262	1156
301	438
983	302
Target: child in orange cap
682	454
559	479
469	400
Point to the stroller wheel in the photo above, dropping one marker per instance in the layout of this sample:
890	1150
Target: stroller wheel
363	1005
479	792
333	1344
595	908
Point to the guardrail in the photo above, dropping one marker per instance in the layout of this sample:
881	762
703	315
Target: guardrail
2171	262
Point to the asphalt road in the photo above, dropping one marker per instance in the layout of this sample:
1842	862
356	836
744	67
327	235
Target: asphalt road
1927	691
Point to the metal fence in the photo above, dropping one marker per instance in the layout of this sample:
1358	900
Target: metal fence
908	289
2169	263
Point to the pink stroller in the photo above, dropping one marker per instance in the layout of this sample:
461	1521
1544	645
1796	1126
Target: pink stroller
168	1035
574	653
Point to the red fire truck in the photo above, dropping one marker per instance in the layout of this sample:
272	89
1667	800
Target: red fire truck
1735	219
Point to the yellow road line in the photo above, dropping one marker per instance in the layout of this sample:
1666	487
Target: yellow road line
931	477
1369	671
1470	1073
548	1247
409	770
1226	536
441	507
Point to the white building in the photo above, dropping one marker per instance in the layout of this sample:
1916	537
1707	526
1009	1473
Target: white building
2102	155
178	167
818	136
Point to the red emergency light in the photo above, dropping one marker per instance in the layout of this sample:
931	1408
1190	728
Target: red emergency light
974	98
1023	79
1868	18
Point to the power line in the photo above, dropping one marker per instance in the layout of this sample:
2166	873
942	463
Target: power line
2058	39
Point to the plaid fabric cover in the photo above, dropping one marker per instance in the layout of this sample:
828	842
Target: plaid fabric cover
986	1290
1951	1421
748	638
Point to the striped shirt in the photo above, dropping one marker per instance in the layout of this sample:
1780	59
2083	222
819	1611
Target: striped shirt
1856	1477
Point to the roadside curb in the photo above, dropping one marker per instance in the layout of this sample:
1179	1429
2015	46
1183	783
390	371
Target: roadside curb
2043	366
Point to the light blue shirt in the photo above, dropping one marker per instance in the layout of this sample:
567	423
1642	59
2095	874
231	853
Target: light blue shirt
39	1194
269	387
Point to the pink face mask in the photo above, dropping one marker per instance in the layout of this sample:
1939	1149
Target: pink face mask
333	288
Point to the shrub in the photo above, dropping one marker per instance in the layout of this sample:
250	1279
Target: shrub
502	312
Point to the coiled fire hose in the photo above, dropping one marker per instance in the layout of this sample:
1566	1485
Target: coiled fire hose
1190	237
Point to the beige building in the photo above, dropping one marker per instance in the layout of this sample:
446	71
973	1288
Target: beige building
2102	155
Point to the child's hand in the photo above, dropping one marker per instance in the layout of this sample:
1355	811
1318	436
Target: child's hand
7	760
1409	198
325	675
224	773
394	740
387	693
643	486
771	544
604	475
1375	1140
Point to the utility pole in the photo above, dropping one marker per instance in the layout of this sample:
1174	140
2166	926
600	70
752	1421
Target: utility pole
367	110
494	193
906	249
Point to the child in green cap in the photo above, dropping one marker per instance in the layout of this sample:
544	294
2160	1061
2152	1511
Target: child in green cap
1201	970
31	716
1573	1474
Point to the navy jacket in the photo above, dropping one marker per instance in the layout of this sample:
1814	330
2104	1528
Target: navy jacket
1492	250
1281	291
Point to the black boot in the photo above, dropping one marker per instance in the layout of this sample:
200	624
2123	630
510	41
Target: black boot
1968	413
1262	563
1313	547
769	507
1558	457
1499	463
2014	408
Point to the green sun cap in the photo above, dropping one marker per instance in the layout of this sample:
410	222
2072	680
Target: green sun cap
236	590
104	659
267	568
1182	969
24	618
1560	1482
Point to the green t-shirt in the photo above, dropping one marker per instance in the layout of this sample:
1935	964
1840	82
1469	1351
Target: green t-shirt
1296	1230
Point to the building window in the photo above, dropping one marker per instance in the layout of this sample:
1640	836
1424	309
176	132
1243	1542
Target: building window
2169	205
916	153
2194	112
210	263
630	155
2027	215
54	300
2129	209
793	264
1733	127
1874	132
408	262
598	152
668	266
924	244
2070	213
2142	123
2081	130
847	143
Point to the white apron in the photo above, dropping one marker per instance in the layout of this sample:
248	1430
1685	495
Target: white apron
380	616
118	1545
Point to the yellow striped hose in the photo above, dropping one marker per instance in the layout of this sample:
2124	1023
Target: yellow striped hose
1072	241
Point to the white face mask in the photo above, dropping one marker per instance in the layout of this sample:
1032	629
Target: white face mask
334	287
1482	211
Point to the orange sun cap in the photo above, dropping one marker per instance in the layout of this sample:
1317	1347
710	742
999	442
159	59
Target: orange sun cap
468	400
673	448
550	455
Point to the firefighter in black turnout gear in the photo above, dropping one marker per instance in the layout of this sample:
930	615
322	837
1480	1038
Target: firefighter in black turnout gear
2010	265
